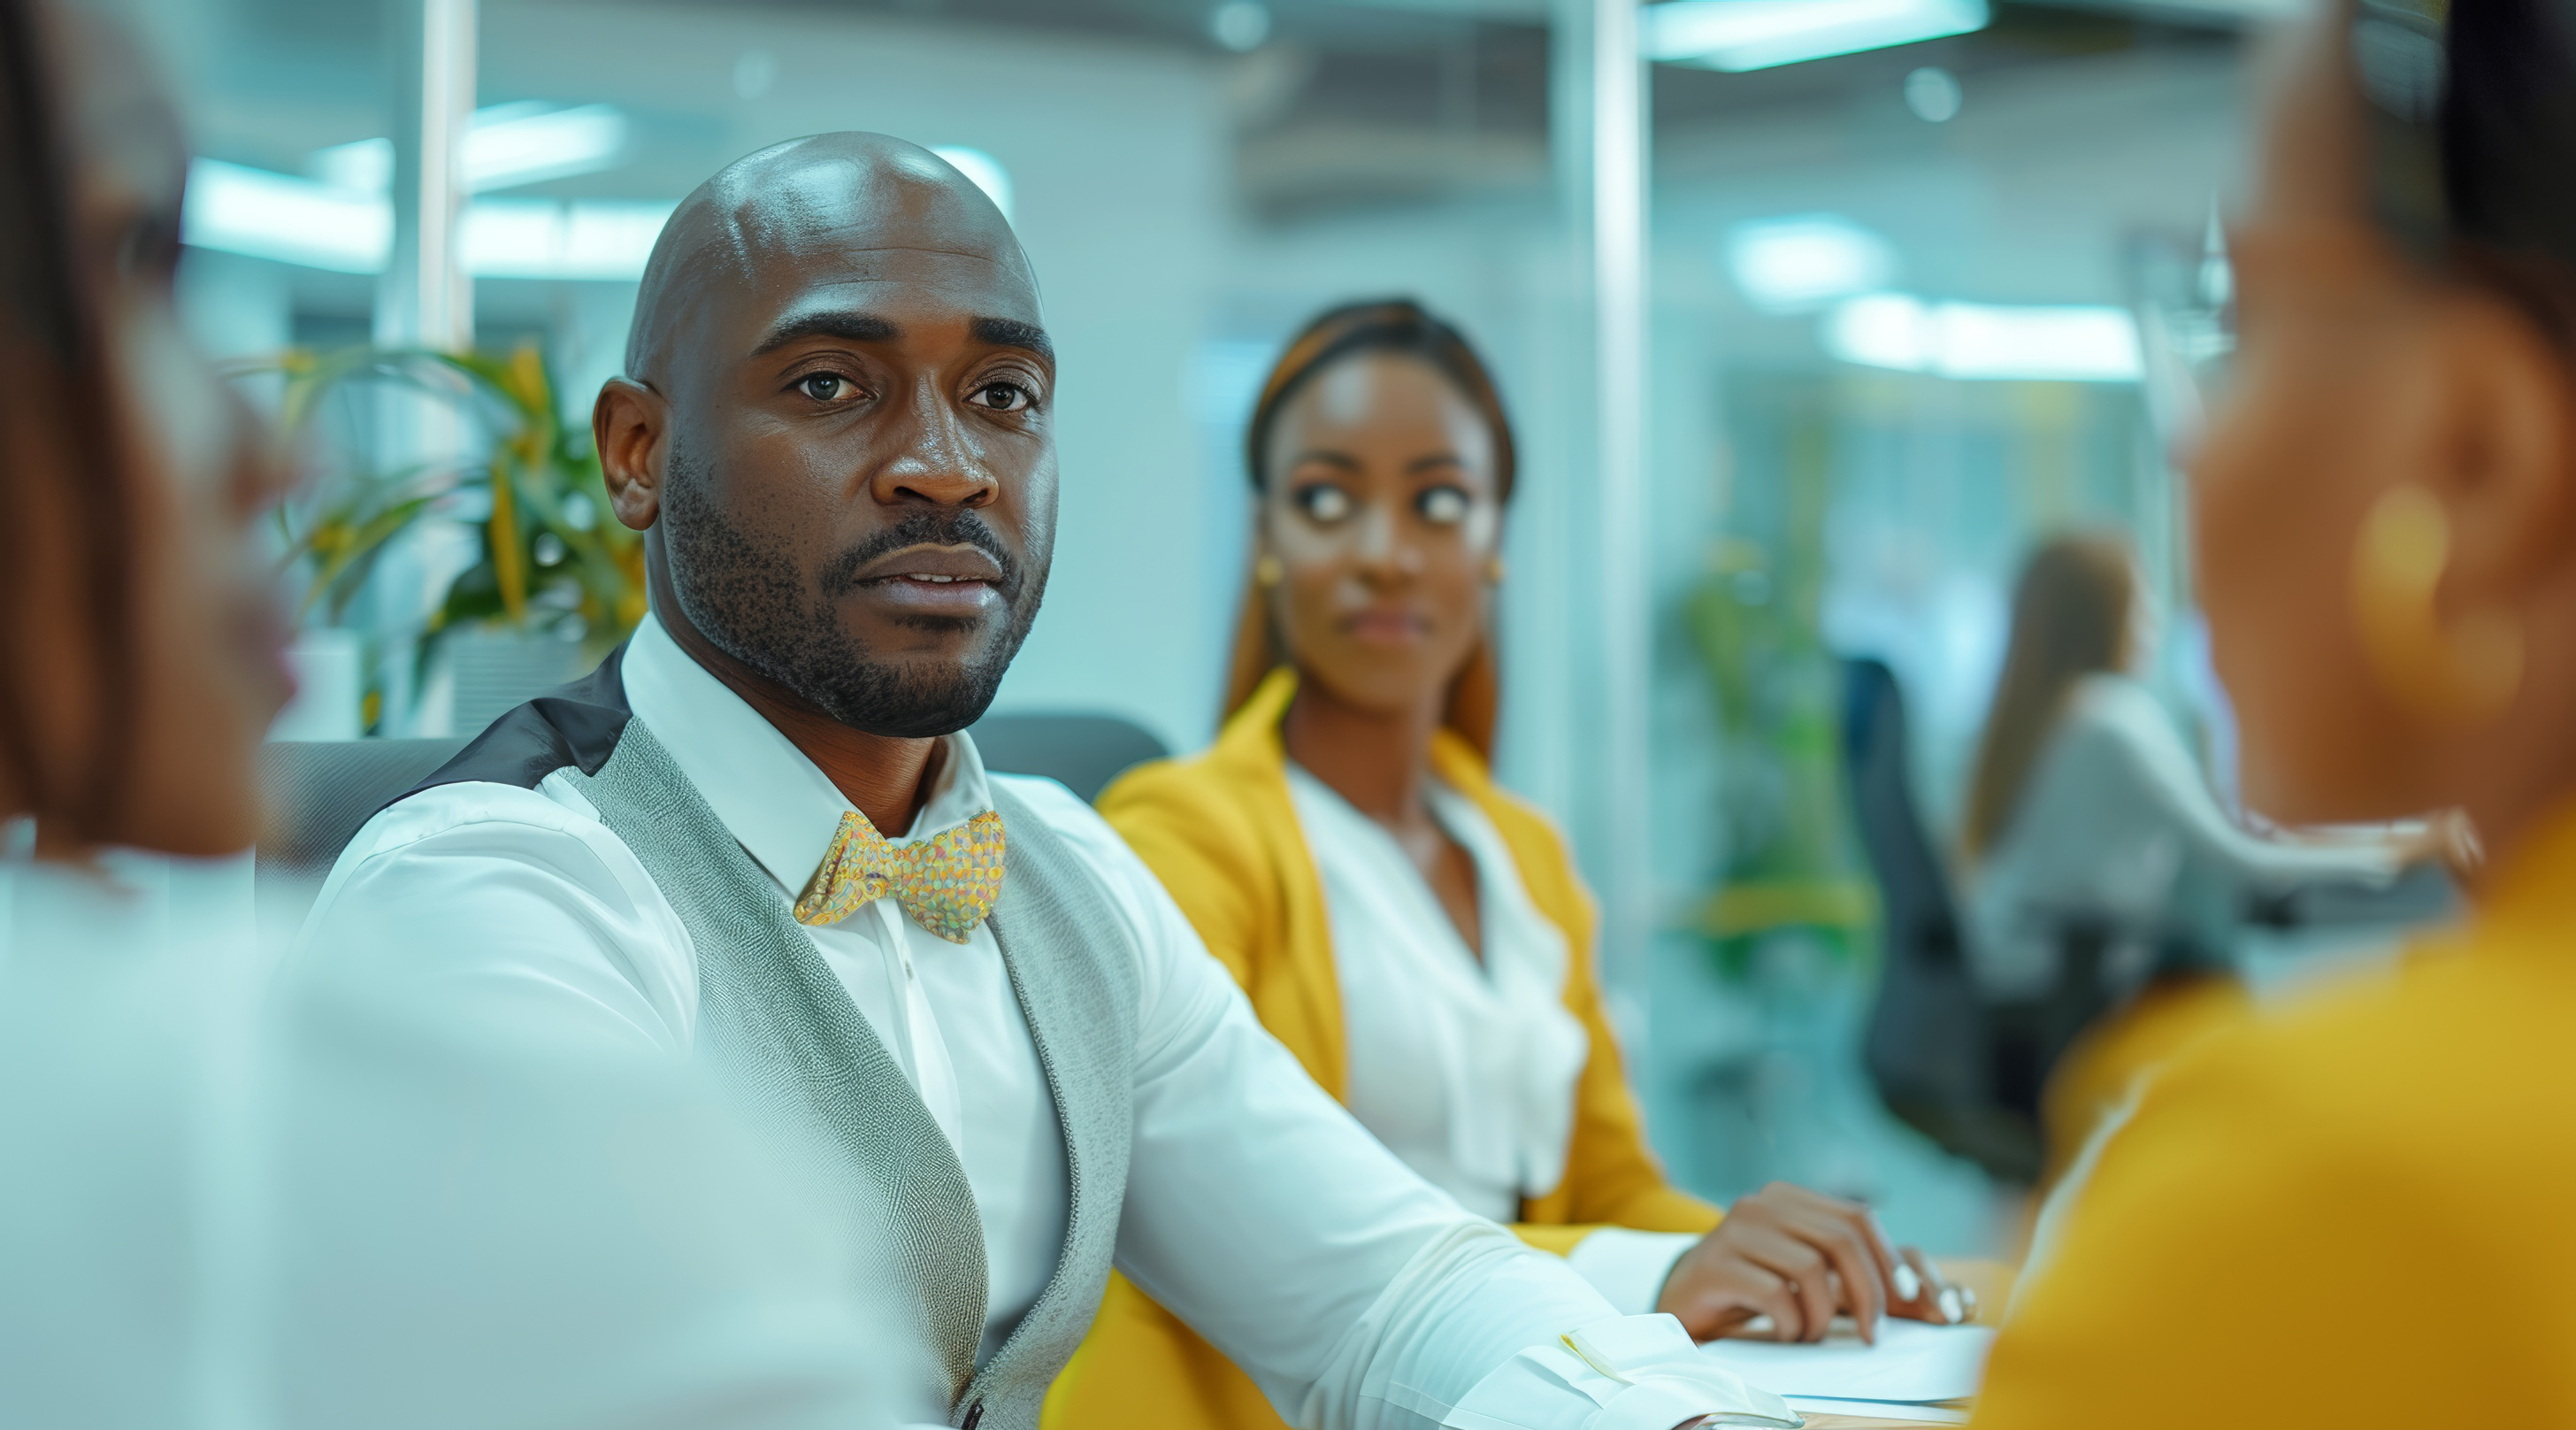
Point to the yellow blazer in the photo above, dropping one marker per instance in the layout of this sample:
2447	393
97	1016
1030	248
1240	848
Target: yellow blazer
1221	834
2352	1212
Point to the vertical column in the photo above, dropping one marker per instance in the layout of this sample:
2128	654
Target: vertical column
425	297
423	300
1618	194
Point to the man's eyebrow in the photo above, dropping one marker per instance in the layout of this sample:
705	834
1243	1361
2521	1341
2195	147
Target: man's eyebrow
838	323
1004	332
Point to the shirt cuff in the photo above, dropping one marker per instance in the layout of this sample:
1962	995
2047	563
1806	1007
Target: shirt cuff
1631	1373
1627	1267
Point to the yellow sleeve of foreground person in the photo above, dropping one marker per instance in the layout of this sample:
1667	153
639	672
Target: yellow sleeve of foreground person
2352	1214
1221	833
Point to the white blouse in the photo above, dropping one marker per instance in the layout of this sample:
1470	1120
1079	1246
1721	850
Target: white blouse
1465	1068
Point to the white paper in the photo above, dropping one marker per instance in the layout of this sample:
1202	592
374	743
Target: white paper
1887	1410
1912	1362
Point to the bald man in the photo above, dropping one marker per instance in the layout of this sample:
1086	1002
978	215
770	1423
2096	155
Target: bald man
758	835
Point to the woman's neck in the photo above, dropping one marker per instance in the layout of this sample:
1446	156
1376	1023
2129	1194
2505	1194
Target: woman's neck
1378	760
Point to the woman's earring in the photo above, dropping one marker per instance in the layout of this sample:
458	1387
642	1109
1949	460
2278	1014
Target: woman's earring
1267	571
2461	676
1494	569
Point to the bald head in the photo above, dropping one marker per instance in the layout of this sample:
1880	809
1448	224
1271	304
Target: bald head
846	195
836	431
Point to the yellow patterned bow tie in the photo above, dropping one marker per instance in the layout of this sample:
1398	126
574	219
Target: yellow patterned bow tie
947	882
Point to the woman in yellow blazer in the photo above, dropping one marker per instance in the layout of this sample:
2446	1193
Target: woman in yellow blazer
1416	936
2353	1211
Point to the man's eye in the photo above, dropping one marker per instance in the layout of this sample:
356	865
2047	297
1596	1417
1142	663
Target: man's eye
1323	502
825	386
1002	397
1442	506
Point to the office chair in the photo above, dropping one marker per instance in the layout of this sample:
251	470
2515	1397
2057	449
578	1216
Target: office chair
1931	1045
1085	752
320	792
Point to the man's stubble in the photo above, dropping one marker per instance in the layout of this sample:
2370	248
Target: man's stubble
748	598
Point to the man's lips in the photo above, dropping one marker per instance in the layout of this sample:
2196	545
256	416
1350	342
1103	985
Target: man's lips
957	580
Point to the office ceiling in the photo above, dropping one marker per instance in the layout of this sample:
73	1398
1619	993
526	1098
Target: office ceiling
1345	103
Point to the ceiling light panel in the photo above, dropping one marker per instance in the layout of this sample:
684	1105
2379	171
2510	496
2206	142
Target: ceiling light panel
1785	265
1985	341
1739	35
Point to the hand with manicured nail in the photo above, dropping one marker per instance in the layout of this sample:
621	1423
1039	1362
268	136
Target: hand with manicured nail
1801	1257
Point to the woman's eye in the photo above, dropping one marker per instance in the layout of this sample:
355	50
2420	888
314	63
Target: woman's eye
826	386
1444	506
1002	397
1323	503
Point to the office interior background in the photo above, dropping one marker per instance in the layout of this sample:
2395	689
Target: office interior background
1813	315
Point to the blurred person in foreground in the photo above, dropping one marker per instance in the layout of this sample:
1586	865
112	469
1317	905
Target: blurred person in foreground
219	1209
2353	1212
760	832
2089	818
1417	936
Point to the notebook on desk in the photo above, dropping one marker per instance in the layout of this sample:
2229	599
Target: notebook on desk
1913	1365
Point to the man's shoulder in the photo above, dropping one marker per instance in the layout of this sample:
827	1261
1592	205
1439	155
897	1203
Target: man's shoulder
504	777
576	726
462	807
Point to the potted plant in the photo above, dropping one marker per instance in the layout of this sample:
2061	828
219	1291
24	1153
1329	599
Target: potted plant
554	581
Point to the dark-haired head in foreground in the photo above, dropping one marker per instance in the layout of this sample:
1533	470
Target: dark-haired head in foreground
140	640
835	428
2386	509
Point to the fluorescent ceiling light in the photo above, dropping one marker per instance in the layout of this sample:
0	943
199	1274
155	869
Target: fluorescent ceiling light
985	170
506	146
2238	11
364	166
517	144
280	216
1756	34
1978	340
304	221
541	238
1784	265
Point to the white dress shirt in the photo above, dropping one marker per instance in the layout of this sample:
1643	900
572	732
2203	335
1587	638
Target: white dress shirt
1463	1064
227	1205
1351	1291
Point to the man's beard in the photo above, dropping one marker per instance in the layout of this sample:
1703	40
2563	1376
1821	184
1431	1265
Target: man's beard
750	600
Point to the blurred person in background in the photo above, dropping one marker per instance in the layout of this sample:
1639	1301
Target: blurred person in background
2353	1210
1417	936
2086	806
2090	823
215	1210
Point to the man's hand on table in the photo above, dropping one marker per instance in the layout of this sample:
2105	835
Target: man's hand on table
1799	1257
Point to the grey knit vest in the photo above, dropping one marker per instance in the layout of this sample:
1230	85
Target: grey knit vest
773	1016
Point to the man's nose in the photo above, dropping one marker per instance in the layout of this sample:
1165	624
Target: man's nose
934	460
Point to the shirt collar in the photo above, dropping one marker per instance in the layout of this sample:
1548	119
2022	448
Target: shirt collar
778	804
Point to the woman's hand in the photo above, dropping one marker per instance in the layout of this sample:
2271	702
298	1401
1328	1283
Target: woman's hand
1799	1257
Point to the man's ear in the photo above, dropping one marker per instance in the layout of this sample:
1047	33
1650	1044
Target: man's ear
2506	466
629	423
